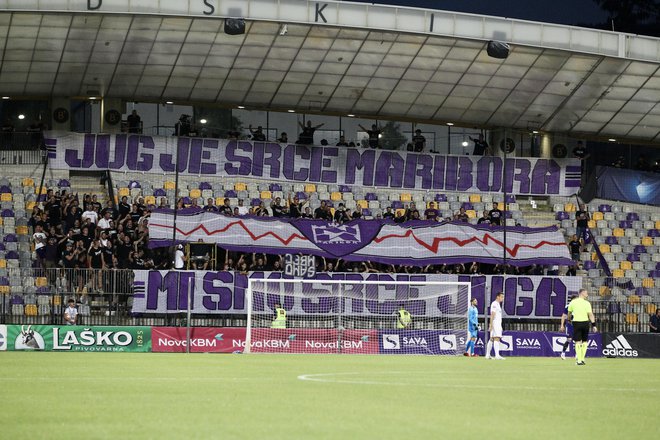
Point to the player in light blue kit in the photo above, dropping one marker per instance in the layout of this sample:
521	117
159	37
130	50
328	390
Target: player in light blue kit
473	328
567	327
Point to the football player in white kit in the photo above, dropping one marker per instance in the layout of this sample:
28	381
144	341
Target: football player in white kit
495	327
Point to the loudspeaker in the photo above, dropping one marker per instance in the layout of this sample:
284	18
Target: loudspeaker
497	49
234	26
559	151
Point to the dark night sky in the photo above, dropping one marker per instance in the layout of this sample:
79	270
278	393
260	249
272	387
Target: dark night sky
571	12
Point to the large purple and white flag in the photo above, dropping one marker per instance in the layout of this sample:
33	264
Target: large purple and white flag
201	157
411	243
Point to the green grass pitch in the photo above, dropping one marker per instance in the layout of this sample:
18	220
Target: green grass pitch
204	396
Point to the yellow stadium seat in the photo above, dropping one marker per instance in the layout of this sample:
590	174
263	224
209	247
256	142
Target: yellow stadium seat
647	241
310	188
597	216
591	224
500	206
471	213
569	207
169	185
631	318
57	300
475	198
31	310
195	193
219	201
240	186
618	232
335	196
6	197
657	224
44	190
150	200
594	256
604	291
22	230
30	205
605	248
27	181
3	264
633	299
648	283
5	290
1	221
650	308
41	282
405	197
617	273
363	204
625	265
400	212
266	195
124	192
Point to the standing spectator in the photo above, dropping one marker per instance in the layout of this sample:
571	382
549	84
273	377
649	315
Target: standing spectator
654	323
295	207
419	141
110	207
342	142
39	240
481	147
575	247
179	258
277	208
284	138
307	135
258	134
90	214
242	209
431	213
71	313
581	223
323	212
341	215
134	122
374	135
124	207
97	264
106	221
495	215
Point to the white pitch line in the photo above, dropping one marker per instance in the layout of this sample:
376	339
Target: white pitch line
327	378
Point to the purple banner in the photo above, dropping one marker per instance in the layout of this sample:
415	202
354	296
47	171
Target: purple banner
224	293
311	164
416	242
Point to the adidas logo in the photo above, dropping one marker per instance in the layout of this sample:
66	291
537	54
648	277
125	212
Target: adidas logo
619	347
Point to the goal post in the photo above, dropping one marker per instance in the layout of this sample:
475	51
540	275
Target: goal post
356	316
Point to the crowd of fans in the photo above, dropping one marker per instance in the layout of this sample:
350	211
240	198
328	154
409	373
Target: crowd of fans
81	239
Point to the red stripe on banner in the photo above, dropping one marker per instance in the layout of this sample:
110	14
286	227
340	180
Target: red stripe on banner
240	223
461	243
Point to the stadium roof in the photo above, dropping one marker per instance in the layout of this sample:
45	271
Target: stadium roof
371	61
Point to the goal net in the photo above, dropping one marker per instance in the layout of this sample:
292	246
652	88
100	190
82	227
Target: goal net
345	316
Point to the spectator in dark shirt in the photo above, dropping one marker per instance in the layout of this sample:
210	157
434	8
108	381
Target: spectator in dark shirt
134	122
581	222
307	213
575	247
654	322
124	208
495	215
388	214
323	212
284	138
431	213
341	215
412	212
226	208
419	141
484	219
277	208
295	206
342	142
374	135
307	134
462	216
258	134
481	147
210	205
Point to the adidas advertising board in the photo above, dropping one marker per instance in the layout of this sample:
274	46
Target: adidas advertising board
631	345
